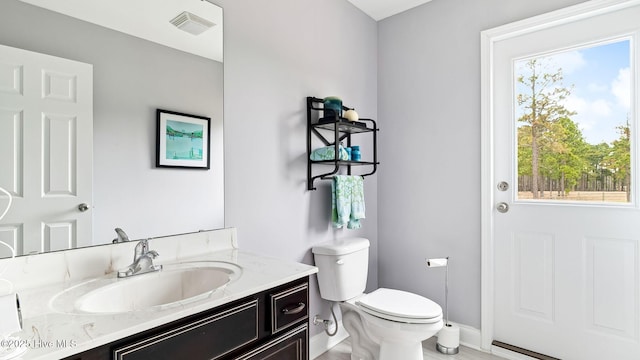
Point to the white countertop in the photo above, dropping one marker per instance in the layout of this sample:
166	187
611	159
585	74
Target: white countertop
51	332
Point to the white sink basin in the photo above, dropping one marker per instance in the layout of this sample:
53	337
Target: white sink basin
174	285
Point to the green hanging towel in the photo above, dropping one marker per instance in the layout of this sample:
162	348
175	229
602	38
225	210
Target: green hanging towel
347	201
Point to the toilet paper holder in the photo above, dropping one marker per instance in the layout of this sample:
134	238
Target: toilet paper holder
449	337
440	263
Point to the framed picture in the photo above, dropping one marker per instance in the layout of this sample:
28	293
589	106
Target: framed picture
182	140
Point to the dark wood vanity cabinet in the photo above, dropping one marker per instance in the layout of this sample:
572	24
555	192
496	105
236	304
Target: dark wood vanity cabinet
269	325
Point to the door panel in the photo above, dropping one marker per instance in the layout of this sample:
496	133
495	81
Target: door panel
59	149
611	286
11	129
533	274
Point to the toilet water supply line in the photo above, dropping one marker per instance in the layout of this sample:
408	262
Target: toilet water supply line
335	321
326	323
439	263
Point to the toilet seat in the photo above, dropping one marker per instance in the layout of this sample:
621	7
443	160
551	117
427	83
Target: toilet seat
400	306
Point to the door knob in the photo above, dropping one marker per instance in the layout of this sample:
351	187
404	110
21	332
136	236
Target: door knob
502	207
83	207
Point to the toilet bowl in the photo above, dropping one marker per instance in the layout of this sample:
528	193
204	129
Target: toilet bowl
385	324
393	324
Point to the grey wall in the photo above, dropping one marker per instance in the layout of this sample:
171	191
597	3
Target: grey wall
132	78
277	53
429	182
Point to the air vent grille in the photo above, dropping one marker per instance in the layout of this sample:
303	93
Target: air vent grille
191	23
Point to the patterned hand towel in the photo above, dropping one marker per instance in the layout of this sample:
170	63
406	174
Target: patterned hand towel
347	200
329	153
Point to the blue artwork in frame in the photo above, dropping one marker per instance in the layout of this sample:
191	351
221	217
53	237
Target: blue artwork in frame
182	140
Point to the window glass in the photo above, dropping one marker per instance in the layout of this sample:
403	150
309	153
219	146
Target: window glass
573	122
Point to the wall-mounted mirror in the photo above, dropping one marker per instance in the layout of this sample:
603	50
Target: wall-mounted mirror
141	62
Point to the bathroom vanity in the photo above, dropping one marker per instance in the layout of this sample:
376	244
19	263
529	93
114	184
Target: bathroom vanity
261	313
256	327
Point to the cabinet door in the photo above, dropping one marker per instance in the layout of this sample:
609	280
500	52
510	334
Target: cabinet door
289	346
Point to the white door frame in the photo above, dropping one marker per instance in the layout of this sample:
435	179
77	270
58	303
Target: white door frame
487	181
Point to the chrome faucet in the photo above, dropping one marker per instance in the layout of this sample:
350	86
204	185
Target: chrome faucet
142	261
122	236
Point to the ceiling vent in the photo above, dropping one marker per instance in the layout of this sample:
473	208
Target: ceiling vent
191	23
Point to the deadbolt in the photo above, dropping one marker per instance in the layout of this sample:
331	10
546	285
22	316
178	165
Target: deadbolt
503	186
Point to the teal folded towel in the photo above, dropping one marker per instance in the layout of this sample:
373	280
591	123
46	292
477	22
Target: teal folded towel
329	153
347	201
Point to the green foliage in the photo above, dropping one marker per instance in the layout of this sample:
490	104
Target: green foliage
542	108
551	147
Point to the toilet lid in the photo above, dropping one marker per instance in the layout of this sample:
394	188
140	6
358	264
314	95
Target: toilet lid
398	305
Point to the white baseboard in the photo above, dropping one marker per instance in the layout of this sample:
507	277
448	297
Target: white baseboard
321	343
470	337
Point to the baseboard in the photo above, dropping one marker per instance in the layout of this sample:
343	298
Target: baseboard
321	343
470	337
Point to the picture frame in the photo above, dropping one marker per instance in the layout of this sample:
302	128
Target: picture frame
182	140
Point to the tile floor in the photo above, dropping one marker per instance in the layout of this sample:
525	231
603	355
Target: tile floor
342	351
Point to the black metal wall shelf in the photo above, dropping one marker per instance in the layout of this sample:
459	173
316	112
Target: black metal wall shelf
340	129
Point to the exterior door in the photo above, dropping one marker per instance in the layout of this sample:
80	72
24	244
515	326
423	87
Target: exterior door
46	150
564	246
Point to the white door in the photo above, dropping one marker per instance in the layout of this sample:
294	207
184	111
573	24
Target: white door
46	149
566	269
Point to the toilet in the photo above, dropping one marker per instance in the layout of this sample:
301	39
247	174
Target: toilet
385	324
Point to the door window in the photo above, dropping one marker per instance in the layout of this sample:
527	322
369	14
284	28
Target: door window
573	122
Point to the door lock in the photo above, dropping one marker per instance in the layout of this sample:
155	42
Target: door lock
503	186
502	207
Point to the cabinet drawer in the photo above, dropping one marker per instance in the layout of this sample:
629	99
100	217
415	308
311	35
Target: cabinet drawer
289	306
206	338
291	345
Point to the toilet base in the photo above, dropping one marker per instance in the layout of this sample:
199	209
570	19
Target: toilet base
405	351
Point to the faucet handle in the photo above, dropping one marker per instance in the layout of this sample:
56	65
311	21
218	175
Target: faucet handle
152	254
122	236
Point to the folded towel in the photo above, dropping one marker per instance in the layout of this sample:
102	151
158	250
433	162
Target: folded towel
329	153
347	201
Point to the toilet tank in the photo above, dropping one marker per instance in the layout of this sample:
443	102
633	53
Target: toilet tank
342	268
